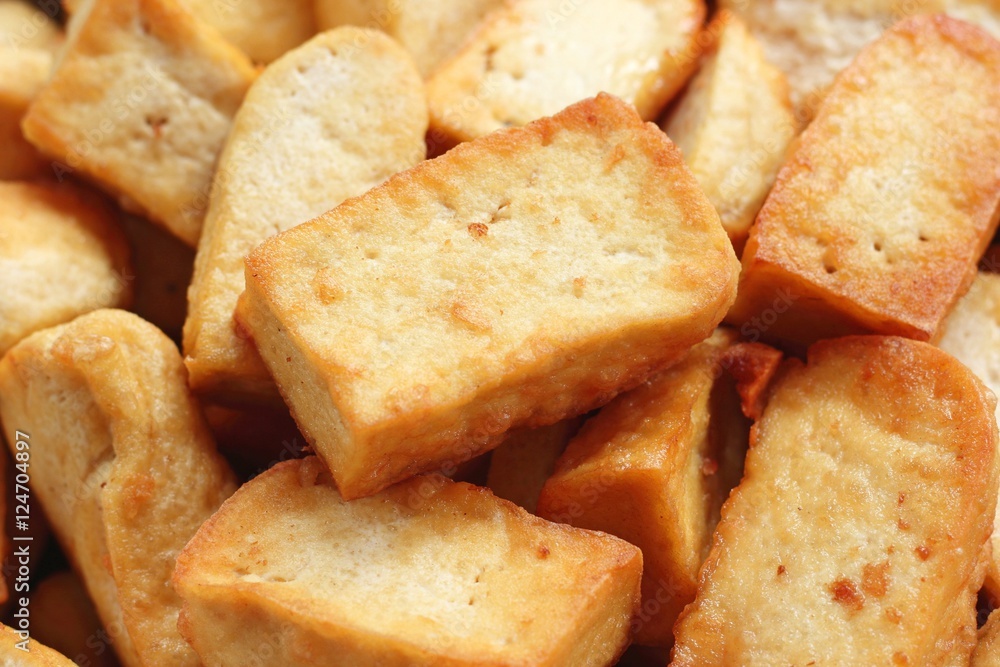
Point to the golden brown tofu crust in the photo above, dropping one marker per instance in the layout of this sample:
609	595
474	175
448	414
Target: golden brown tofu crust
32	655
287	566
877	220
136	472
62	254
532	58
734	124
390	325
141	102
653	467
859	532
328	121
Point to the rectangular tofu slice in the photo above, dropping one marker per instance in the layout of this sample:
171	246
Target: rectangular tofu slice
141	102
429	572
858	533
431	30
123	464
535	57
653	467
734	125
516	281
328	121
890	197
972	335
812	41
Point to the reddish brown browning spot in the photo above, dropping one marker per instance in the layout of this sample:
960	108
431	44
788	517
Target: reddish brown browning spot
899	658
846	593
923	552
893	615
140	489
578	285
875	579
709	467
753	366
781	570
902	497
543	551
903	525
478	230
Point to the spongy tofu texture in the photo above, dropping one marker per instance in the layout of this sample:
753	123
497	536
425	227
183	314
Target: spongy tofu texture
456	573
514	281
856	536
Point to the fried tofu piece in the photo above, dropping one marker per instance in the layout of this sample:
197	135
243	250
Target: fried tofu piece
734	125
878	219
28	40
326	122
141	102
653	467
64	618
534	57
431	30
462	578
972	335
987	653
123	463
858	533
521	465
263	29
163	266
33	654
812	41
61	255
514	282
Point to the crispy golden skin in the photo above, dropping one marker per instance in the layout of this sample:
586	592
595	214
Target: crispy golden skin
141	102
734	125
987	653
61	255
520	466
516	281
461	578
653	467
33	655
972	335
813	40
328	121
857	534
878	218
122	462
431	30
535	57
263	29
